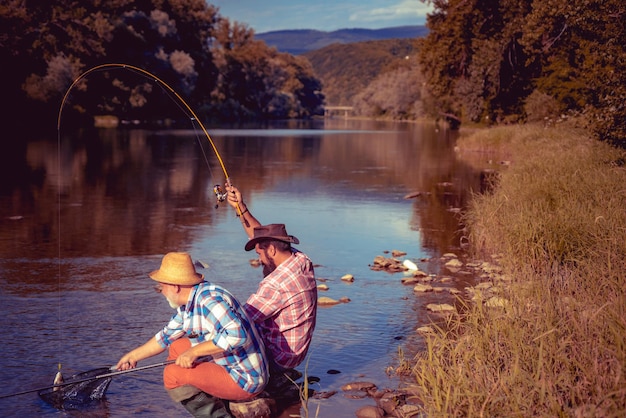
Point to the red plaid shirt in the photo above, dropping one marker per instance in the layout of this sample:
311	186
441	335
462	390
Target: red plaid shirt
284	308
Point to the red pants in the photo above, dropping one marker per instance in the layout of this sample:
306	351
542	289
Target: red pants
206	376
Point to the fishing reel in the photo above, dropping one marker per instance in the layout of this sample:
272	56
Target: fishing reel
220	194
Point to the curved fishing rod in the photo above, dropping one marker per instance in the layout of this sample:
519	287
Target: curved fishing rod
87	379
221	196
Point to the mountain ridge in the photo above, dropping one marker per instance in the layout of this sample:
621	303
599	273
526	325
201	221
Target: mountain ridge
300	41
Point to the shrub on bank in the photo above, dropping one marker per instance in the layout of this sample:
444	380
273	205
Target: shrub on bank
557	221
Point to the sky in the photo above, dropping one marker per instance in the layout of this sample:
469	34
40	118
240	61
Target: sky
324	15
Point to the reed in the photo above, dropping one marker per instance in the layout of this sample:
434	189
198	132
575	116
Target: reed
557	222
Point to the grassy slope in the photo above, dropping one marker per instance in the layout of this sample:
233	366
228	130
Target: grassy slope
557	221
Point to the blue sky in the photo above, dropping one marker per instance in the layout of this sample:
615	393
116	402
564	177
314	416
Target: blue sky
325	15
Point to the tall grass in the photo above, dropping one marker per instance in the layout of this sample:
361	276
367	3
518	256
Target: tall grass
557	220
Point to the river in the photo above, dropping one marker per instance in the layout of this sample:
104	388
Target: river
84	219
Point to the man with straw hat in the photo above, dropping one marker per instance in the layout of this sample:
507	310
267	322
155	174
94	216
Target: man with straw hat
284	307
217	351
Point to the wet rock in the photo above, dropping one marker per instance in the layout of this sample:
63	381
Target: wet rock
326	301
347	278
255	262
391	265
324	394
359	386
322	286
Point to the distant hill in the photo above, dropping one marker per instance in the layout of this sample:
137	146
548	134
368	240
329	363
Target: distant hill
346	69
298	42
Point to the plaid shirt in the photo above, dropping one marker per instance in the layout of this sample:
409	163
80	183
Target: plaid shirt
213	314
284	308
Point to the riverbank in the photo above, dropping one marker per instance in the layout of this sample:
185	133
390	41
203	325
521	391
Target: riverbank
556	345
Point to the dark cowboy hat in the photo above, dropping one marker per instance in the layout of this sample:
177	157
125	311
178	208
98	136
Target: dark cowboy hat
271	231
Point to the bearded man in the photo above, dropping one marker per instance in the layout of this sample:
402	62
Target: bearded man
284	307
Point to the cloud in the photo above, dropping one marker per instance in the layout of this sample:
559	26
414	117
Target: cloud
406	10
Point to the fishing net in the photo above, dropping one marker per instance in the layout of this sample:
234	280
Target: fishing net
80	390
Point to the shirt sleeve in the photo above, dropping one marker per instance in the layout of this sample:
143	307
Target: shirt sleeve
264	303
172	331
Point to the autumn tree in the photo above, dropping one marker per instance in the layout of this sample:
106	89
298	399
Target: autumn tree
50	44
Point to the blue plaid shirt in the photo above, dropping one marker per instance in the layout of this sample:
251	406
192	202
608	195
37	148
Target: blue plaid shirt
213	314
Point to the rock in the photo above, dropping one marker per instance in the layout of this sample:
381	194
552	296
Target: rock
455	263
326	301
370	411
397	253
425	330
422	288
409	411
440	307
323	287
389	401
255	262
347	278
412	195
410	280
324	394
360	386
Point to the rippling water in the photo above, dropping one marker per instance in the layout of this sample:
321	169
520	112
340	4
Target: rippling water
83	224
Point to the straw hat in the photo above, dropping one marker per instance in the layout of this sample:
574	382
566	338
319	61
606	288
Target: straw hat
177	268
271	231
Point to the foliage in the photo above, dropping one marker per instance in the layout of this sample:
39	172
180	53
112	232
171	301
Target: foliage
396	93
217	66
482	59
348	71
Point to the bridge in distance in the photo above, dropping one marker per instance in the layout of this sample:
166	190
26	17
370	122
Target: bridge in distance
330	111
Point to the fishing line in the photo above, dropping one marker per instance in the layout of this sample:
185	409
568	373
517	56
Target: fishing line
180	103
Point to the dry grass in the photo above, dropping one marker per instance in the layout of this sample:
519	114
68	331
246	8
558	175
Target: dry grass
557	218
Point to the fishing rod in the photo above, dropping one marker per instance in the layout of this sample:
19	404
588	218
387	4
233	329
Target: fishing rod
87	379
219	192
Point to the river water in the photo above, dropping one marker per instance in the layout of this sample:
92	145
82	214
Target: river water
84	219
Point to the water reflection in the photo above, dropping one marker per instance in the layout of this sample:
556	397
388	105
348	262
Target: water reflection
83	223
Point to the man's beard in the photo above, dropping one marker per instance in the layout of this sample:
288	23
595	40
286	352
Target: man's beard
269	267
172	304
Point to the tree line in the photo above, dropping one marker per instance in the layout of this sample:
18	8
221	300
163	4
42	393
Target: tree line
217	66
526	60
